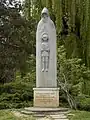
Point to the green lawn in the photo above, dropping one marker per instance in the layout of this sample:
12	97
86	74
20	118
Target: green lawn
13	115
79	115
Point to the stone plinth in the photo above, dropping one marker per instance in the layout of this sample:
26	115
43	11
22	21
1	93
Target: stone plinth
46	97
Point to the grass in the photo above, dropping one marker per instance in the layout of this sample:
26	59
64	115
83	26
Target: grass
79	115
10	115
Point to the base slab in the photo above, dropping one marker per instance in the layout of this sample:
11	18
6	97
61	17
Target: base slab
38	109
46	97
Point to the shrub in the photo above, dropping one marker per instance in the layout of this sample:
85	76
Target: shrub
17	94
83	103
73	77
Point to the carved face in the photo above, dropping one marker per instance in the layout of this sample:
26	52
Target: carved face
45	37
45	14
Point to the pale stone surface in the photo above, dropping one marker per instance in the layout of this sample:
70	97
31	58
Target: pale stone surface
51	110
61	119
26	112
46	52
46	97
47	113
59	116
43	119
18	114
46	93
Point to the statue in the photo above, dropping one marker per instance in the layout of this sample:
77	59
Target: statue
46	51
46	93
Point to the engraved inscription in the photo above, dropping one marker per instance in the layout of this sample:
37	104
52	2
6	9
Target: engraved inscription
46	98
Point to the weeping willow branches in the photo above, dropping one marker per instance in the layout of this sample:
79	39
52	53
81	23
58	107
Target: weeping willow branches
71	17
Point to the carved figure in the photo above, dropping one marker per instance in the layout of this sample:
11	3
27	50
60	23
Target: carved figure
45	51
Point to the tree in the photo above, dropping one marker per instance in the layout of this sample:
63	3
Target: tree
15	40
72	21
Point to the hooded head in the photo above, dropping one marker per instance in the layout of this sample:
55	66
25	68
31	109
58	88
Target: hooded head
44	13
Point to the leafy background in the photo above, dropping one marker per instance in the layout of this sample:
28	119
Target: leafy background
18	23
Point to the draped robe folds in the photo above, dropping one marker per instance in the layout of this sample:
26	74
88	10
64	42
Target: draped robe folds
46	79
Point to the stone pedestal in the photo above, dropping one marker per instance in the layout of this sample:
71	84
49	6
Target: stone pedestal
46	97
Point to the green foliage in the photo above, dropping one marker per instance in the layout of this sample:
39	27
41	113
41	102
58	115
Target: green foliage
17	40
72	76
70	17
10	25
18	93
83	102
79	115
71	45
14	115
17	49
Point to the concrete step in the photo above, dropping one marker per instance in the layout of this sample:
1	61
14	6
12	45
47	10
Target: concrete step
61	119
59	116
37	109
47	113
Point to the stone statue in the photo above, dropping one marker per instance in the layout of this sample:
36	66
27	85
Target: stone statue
46	93
46	52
